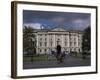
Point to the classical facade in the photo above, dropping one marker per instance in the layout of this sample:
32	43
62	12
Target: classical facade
47	40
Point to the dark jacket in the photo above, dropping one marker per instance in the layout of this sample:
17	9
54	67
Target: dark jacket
58	49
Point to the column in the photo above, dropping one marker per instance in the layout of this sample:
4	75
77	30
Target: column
54	40
69	41
62	43
37	44
48	41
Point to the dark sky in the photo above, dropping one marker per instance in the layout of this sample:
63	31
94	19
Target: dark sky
69	20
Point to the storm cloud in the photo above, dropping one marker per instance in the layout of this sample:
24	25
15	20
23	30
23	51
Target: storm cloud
70	20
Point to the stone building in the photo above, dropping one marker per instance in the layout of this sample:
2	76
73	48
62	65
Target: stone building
47	40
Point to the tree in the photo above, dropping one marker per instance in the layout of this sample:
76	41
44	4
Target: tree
29	40
86	43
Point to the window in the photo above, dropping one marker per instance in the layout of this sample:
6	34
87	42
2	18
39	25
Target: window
65	43
79	50
74	39
45	43
79	43
51	43
70	43
70	49
40	34
71	38
45	39
40	44
45	50
40	50
45	34
40	39
74	43
58	35
65	39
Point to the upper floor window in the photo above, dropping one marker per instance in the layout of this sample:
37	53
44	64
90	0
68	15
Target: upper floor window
40	39
79	43
65	43
51	39
65	39
74	43
75	39
45	34
70	43
40	34
45	39
40	44
51	43
45	43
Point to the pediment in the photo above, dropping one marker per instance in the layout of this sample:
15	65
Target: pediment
58	29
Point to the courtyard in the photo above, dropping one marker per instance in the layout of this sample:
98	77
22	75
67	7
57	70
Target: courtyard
45	61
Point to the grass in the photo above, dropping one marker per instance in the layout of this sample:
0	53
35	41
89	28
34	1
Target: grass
36	58
44	57
79	55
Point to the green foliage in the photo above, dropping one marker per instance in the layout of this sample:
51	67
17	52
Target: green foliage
29	40
86	43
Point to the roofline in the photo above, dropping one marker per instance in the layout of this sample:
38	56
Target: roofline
60	31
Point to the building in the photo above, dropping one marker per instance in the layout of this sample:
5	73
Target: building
47	40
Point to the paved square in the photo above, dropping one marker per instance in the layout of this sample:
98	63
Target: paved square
70	61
